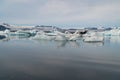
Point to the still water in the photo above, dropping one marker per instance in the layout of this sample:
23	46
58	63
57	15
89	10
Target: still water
25	59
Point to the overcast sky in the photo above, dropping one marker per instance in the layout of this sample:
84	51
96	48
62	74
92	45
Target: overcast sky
61	12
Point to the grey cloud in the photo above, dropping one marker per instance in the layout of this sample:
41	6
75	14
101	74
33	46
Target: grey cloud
61	11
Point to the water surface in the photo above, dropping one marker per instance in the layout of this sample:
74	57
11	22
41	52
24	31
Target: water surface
25	59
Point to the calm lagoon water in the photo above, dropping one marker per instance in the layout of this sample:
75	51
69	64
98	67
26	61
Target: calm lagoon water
25	59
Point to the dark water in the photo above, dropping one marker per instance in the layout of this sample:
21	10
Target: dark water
24	59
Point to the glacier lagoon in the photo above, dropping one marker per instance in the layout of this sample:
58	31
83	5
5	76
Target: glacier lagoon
25	59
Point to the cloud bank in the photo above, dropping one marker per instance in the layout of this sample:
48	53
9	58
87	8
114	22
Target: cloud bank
61	12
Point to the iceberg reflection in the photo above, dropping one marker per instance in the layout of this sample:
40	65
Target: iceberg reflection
67	44
114	39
